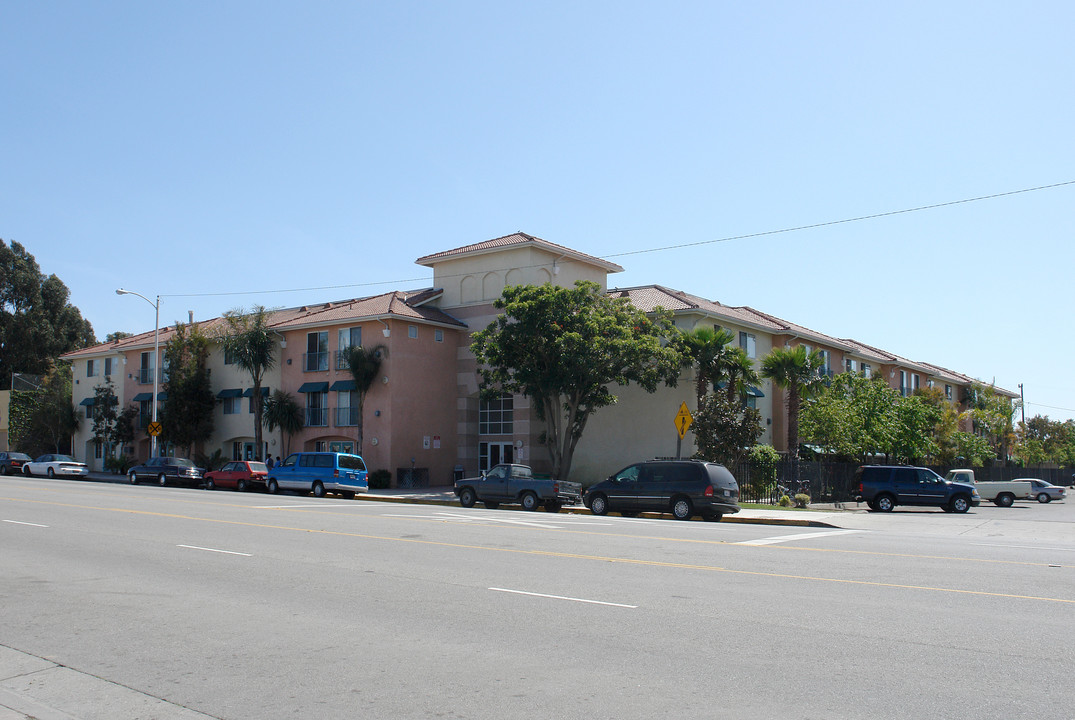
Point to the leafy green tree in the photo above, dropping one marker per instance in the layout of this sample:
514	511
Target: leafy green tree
248	338
105	415
563	348
43	420
724	430
916	420
799	373
283	411
1040	440
116	336
365	365
37	323
853	417
991	415
187	415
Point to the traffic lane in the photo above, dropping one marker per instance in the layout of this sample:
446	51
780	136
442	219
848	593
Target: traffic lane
410	636
685	543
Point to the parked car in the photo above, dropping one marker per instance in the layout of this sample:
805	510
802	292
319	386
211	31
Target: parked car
53	465
320	473
512	483
1001	494
1044	492
163	469
883	487
681	487
238	474
11	462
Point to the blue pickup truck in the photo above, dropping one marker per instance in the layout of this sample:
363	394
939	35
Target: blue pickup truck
511	483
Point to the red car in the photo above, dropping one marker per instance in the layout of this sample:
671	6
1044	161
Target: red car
239	474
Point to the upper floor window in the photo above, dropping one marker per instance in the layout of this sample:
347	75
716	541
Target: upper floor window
316	356
346	339
867	372
749	343
851	365
91	368
412	331
825	359
229	357
108	366
948	392
496	416
232	405
438	336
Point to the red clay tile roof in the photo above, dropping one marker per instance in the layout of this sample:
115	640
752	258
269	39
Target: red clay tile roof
519	239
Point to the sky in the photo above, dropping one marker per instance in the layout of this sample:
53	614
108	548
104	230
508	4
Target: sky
223	155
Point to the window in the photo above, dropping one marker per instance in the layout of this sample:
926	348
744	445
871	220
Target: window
905	383
229	357
346	409
315	359
91	368
825	360
98	450
317	409
146	369
851	365
232	406
491	454
237	450
948	392
496	417
866	372
320	446
108	366
749	343
346	338
412	331
438	336
751	402
915	382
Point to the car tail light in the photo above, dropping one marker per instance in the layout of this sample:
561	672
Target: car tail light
556	487
336	473
709	491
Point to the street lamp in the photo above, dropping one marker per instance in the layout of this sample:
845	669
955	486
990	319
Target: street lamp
156	356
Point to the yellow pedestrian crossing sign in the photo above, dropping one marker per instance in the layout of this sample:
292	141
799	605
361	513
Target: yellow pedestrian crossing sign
683	420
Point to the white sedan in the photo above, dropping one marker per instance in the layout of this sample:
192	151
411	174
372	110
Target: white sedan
1044	492
53	465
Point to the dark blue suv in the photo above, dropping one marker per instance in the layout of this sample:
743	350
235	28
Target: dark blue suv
883	487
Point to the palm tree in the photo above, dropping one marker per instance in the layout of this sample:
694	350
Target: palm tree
797	371
740	373
709	349
248	338
365	364
283	411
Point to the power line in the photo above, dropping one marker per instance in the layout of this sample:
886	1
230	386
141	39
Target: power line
657	249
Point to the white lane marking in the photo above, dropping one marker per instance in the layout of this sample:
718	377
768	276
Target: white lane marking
561	597
1024	547
16	522
800	536
226	552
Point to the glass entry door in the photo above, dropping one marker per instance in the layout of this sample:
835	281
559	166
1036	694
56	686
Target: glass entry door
491	454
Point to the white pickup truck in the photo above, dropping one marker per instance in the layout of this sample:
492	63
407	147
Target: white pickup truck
1003	494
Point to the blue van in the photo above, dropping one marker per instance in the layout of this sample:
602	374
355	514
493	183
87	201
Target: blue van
320	473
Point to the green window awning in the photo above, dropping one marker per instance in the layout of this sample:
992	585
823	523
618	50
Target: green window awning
249	392
162	396
87	402
314	387
229	393
754	392
142	397
343	386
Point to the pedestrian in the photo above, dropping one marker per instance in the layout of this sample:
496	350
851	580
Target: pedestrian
277	459
269	463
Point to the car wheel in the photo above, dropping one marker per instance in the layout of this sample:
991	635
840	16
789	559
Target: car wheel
960	504
3	470
1044	498
272	487
318	490
467	498
491	505
885	503
209	484
162	479
133	477
529	501
348	495
681	509
51	473
26	471
1005	500
552	506
240	485
872	505
598	505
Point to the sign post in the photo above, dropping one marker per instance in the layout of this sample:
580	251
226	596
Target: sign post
683	421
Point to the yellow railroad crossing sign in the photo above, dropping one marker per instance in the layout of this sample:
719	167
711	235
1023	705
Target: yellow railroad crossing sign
683	420
154	428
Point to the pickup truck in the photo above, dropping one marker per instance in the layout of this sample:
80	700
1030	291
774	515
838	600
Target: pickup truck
1002	494
517	484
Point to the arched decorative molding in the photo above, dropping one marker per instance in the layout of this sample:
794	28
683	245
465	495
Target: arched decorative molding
543	276
515	277
469	290
492	286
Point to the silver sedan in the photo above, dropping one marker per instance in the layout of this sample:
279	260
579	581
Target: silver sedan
1043	492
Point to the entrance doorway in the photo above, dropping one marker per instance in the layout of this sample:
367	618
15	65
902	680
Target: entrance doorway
495	453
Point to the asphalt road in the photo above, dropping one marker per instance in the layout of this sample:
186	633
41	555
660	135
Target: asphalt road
122	601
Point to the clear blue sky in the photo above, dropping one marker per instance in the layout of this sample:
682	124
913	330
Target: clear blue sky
205	147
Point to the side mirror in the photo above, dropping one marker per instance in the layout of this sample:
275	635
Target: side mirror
483	474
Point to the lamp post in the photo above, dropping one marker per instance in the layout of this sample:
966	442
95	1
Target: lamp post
156	355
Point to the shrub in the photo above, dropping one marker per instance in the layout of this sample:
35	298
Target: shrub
802	500
784	501
379	479
118	465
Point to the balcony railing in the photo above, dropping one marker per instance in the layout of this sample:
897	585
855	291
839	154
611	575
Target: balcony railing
316	417
341	360
346	417
314	362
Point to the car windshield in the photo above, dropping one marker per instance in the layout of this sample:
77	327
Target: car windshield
182	462
258	467
63	458
19	456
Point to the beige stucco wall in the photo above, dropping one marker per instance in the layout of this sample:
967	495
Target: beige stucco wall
82	387
5	404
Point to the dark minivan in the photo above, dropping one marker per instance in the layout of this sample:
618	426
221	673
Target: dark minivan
883	487
681	487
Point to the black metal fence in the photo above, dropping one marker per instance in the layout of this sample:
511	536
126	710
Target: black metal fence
831	482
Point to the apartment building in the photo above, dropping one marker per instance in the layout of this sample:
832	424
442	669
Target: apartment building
425	413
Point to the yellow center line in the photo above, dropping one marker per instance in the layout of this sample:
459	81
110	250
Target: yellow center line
552	554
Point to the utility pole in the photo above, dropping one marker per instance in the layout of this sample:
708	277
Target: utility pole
1022	404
